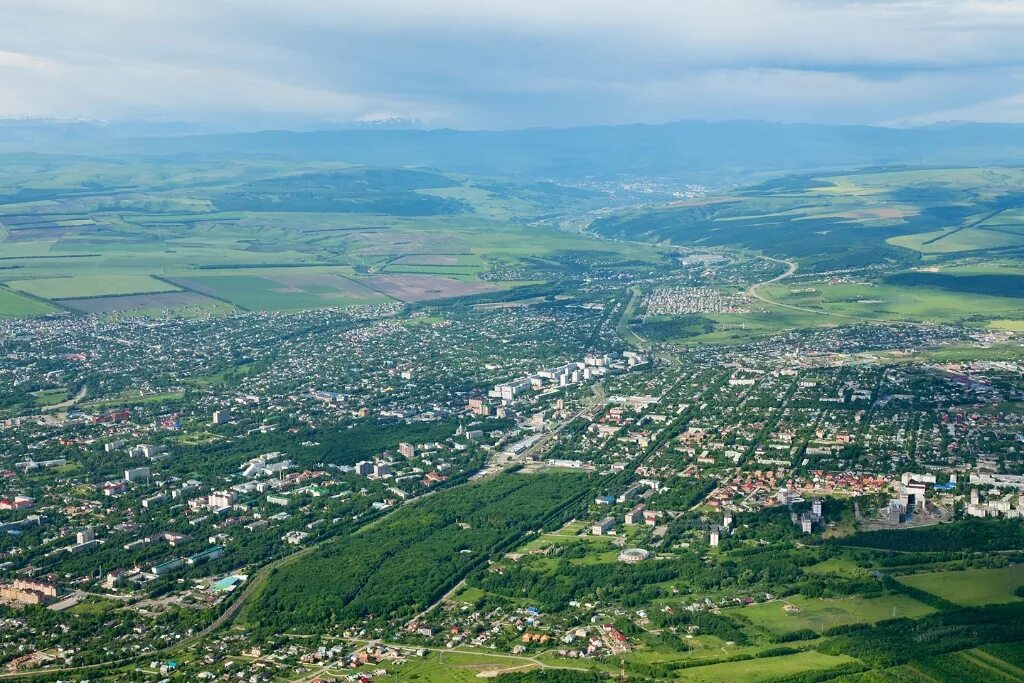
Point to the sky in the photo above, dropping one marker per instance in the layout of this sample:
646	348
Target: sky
512	63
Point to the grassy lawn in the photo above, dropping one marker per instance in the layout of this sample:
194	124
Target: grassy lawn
764	669
1008	325
841	564
819	614
94	605
469	595
49	397
971	586
422	320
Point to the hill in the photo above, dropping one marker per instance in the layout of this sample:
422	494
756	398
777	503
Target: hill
698	151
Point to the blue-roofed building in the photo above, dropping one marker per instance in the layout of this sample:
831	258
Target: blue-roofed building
226	584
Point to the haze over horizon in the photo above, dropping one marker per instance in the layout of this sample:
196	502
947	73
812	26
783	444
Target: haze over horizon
465	65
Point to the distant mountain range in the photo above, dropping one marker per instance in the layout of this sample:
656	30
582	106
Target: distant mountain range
692	151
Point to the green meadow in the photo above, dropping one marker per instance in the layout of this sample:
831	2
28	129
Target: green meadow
871	300
819	614
971	586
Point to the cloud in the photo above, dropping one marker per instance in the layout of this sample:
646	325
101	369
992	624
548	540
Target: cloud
492	63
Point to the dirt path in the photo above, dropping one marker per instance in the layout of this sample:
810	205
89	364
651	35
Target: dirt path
444	598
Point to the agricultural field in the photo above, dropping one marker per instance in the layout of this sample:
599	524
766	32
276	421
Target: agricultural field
459	260
14	305
971	587
410	287
934	245
75	233
974	664
182	303
439	264
282	290
87	286
958	240
925	246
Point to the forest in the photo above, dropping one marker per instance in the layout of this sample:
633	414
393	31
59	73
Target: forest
969	535
399	565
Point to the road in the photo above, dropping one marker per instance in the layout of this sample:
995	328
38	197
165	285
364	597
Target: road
791	267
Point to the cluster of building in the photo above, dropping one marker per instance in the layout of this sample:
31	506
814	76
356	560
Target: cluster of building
687	300
592	366
28	592
995	503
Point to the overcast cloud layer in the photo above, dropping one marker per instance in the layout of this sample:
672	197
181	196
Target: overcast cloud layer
513	63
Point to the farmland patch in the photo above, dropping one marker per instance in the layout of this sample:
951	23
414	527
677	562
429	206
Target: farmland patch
411	287
140	302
